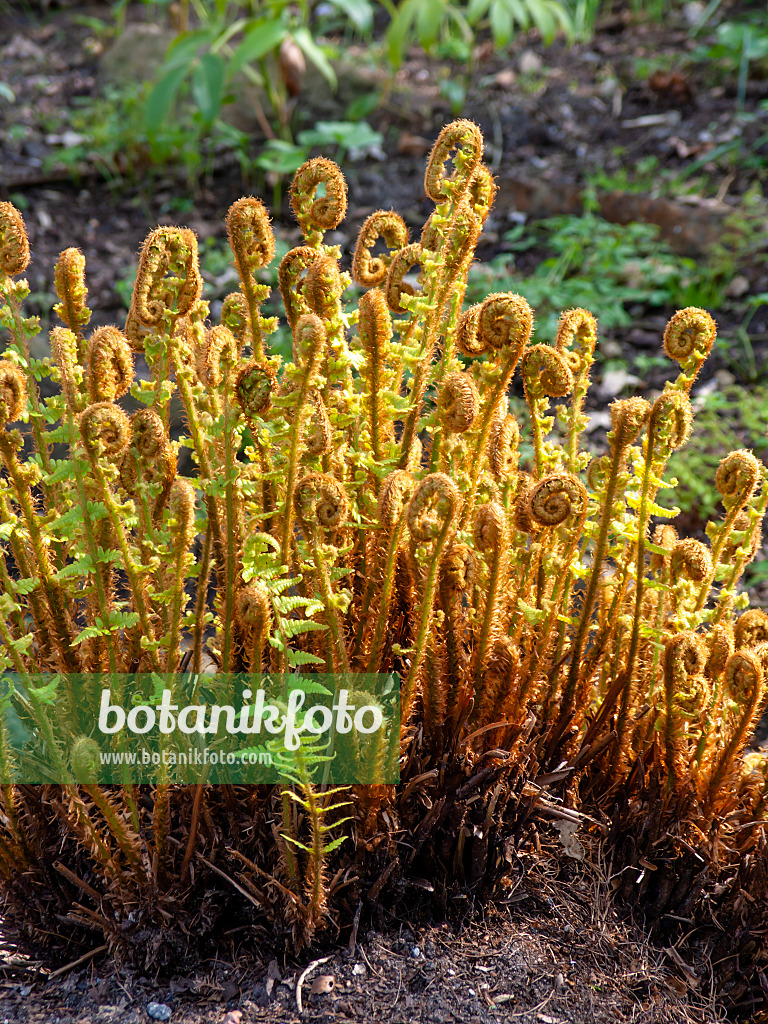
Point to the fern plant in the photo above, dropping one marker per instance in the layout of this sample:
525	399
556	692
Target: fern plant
560	648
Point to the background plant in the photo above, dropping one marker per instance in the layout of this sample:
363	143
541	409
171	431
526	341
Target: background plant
561	649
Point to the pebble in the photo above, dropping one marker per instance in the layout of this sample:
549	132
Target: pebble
415	952
260	996
159	1011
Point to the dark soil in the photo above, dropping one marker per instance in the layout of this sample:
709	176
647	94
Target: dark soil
551	953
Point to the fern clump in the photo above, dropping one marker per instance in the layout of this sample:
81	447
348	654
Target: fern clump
363	508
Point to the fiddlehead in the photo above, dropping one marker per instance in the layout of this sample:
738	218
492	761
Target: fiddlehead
69	282
293	266
431	514
503	450
108	365
576	339
318	214
688	339
323	287
168	281
491	537
751	629
322	504
458	402
254	615
692	560
683	666
462	141
13	392
546	374
743	679
368	270
251	239
375	330
14	241
402	262
105	430
255	387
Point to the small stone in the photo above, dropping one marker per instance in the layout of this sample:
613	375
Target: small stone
471	991
738	286
415	952
530	63
259	995
159	1011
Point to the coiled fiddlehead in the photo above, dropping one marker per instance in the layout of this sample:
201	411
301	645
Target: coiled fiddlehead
491	537
458	402
181	526
683	664
628	417
14	241
691	559
323	287
254	615
253	245
13	392
463	141
736	479
255	387
402	262
559	499
320	500
576	339
751	629
375	331
108	365
293	265
394	496
503	450
688	339
236	316
105	430
309	342
168	281
546	374
322	504
721	647
431	514
743	678
218	357
316	215
368	270
69	282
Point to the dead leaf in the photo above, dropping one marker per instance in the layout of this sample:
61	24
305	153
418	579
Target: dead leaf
273	975
233	1017
413	145
322	985
571	845
292	65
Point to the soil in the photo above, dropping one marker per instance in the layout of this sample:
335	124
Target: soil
551	953
555	951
